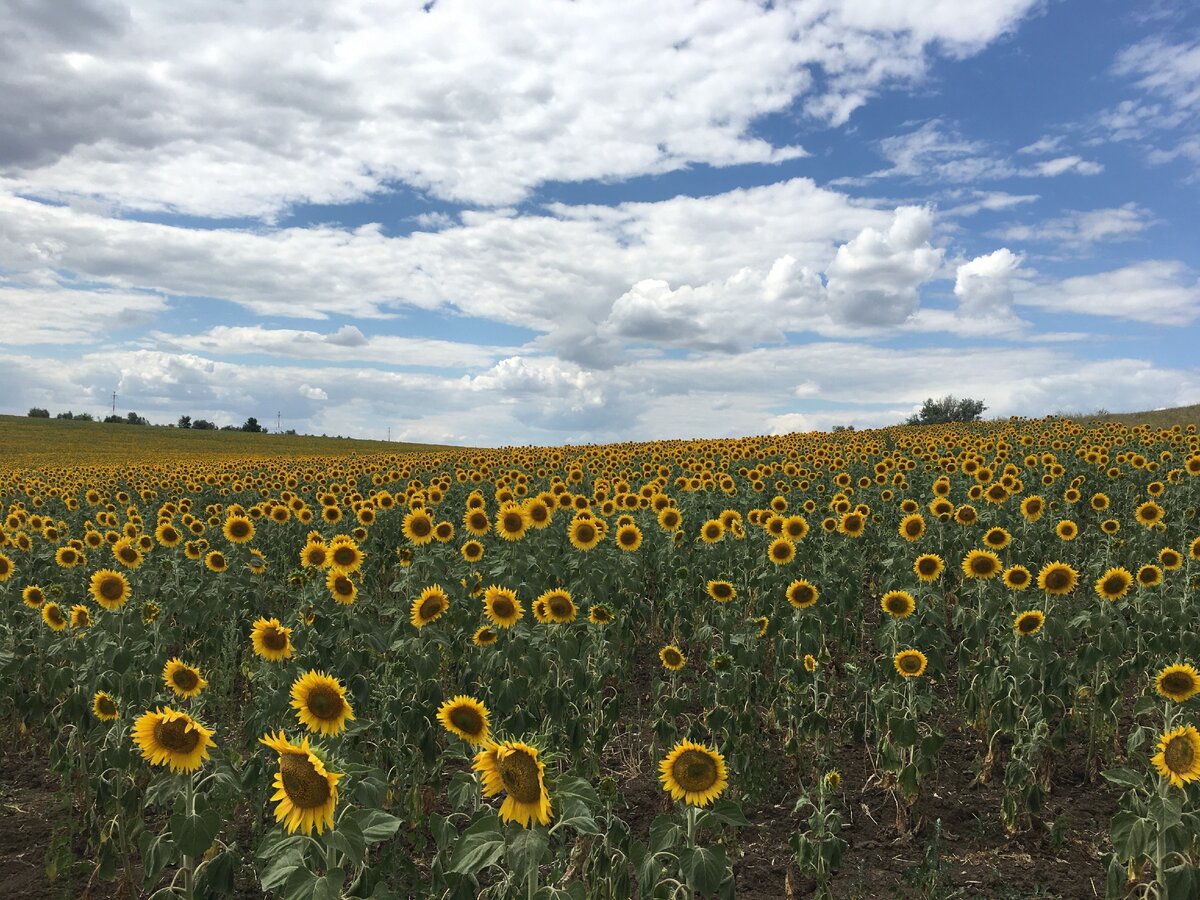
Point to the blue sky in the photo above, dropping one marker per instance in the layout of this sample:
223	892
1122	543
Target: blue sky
542	222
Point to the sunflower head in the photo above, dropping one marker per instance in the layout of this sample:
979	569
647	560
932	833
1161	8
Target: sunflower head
721	591
184	680
53	615
910	663
1057	578
672	658
1178	757
1017	578
981	564
104	707
502	607
320	703
513	768
1178	682
467	718
174	739
484	636
33	596
600	614
781	551
429	606
810	663
1114	584
802	594
271	639
928	567
110	589
306	793
1029	622
898	604
693	773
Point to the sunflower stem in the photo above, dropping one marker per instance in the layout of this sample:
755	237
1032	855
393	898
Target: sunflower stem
189	803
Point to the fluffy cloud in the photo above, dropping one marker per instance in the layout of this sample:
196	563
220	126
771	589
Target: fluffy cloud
1159	292
1081	228
243	110
983	286
35	314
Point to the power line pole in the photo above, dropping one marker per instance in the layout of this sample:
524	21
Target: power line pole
114	403
389	434
278	427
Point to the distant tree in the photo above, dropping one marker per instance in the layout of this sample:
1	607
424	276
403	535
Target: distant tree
251	425
84	417
230	428
134	419
39	413
290	431
68	415
203	425
947	409
184	422
114	420
840	428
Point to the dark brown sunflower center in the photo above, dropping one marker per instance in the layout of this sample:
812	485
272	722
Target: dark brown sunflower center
68	556
1147	576
722	591
910	663
324	702
1058	579
478	520
559	606
1178	683
1180	754
467	718
176	736
106	706
345	556
585	533
519	772
912	529
780	551
629	537
897	605
343	586
239	528
601	615
982	565
1170	559
304	785
430	606
503	607
217	561
128	554
274	639
803	594
671	657
420	526
539	513
1114	584
55	615
712	531
111	588
316	556
695	771
1028	624
512	522
927	566
185	679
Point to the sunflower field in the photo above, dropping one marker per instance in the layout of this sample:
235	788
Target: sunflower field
753	667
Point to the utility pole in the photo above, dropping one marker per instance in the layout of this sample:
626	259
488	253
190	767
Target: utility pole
278	427
389	434
114	403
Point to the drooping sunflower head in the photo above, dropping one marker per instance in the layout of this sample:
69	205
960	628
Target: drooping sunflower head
928	567
1057	578
271	640
1178	757
320	703
81	616
514	768
721	591
910	663
170	738
53	615
429	606
110	589
898	604
1178	682
693	773
467	718
104	707
183	680
762	623
306	792
672	658
802	594
981	564
1029	622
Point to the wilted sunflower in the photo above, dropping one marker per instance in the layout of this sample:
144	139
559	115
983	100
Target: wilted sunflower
514	768
53	616
1178	757
802	594
810	663
502	607
104	707
320	703
238	530
584	534
693	773
1029	622
629	537
170	738
110	589
781	552
1017	578
183	679
429	606
33	596
898	604
271	640
472	551
307	791
345	555
910	663
762	623
912	527
557	606
600	614
672	658
341	587
721	591
1057	578
418	527
215	561
1178	682
928	567
1149	576
81	617
1114	584
981	564
467	718
484	636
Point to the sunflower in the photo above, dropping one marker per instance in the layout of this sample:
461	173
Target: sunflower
1017	578
1178	757
1178	682
81	617
928	567
183	679
810	663
127	554
795	528
833	779
981	564
170	738
320	703
1110	526
557	607
721	591
502	607
584	534
781	552
429	606
215	561
472	551
1066	530
484	636
167	535
912	527
1149	576
712	531
802	594
271	640
467	718
910	663
1114	584
997	538
104	707
307	791
476	522
1029	622
33	596
512	521
514	768
238	530
110	589
629	537
600	614
693	773
53	616
1032	508
1149	514
315	555
762	623
1194	549
344	555
669	519
68	558
418	527
341	587
672	658
1057	578
1170	558
898	604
